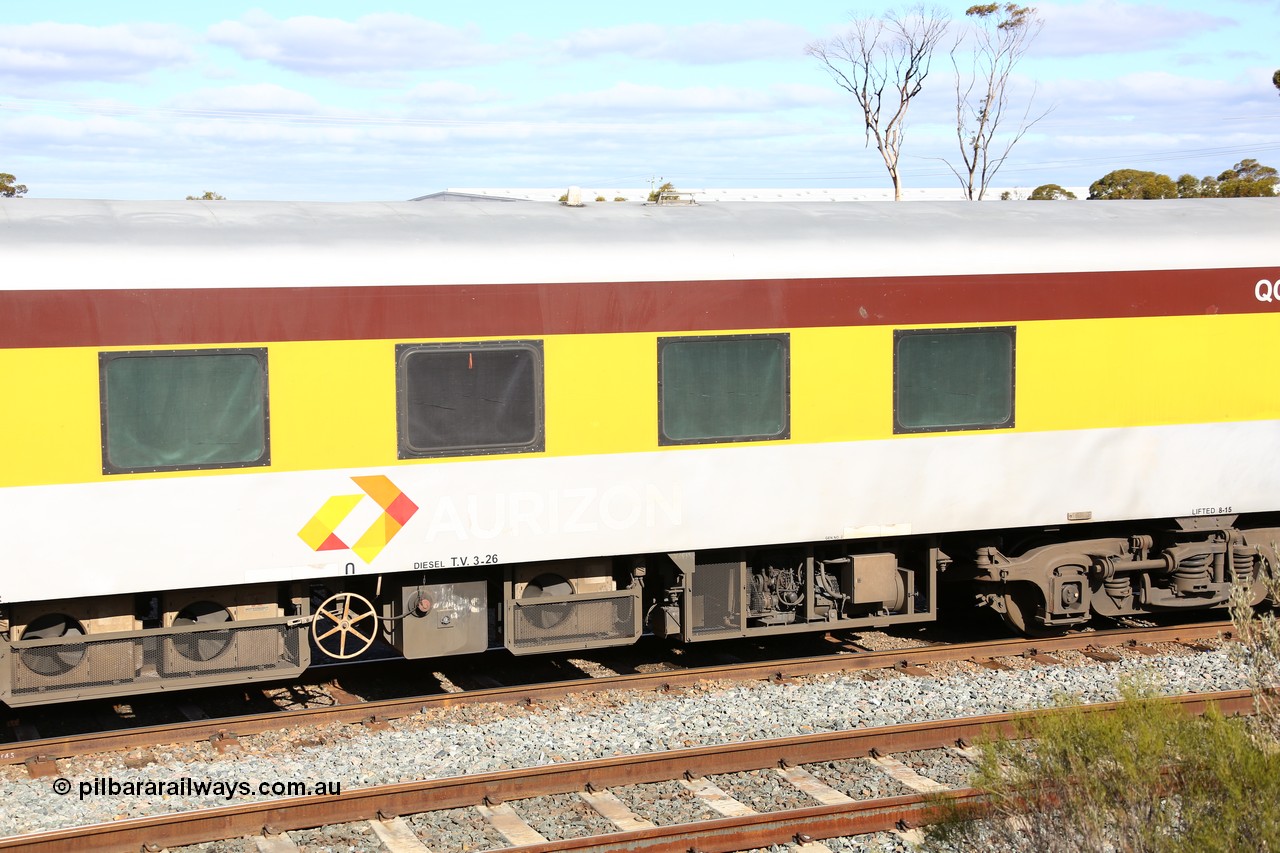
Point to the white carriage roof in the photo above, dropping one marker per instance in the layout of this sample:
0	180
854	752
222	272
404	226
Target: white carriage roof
707	195
58	244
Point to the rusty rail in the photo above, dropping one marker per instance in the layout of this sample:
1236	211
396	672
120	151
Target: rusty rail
47	749
726	835
459	791
761	830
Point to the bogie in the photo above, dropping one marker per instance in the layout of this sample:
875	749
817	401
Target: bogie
1181	567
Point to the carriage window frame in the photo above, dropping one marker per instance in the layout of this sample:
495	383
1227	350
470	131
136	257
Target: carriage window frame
1008	422
406	447
107	358
784	391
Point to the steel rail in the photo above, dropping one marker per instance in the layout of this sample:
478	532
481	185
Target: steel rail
67	746
255	818
780	827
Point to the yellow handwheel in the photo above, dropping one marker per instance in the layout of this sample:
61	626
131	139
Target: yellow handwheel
336	620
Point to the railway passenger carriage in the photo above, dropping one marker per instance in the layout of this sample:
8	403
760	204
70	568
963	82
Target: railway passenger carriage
238	438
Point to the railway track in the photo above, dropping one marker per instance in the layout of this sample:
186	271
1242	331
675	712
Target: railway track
734	829
40	754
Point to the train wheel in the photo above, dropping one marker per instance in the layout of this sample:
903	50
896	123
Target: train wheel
335	626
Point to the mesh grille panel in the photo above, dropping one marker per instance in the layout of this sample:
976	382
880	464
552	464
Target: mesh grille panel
73	665
716	599
574	623
214	651
147	660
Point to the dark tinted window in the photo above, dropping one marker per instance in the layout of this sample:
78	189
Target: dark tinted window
470	398
949	379
723	388
183	410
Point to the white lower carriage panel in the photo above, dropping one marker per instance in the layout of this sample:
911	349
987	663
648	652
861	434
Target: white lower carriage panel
111	538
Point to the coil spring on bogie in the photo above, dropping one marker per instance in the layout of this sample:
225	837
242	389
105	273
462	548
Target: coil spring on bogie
1118	587
1193	573
1243	562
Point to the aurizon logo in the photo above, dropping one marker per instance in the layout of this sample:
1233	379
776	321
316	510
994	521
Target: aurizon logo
397	509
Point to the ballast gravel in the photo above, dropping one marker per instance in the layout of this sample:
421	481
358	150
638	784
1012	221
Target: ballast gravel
339	838
477	739
664	803
876	842
562	816
761	790
455	831
858	779
940	765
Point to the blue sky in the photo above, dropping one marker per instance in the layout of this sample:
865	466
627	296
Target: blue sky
388	100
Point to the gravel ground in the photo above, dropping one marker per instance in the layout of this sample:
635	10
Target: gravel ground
664	803
877	842
762	791
858	779
562	816
230	845
339	838
879	641
455	831
940	765
477	739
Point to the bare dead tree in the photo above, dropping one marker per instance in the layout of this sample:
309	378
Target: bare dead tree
883	63
1000	37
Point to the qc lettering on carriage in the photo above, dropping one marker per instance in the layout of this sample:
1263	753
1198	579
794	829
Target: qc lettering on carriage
1266	290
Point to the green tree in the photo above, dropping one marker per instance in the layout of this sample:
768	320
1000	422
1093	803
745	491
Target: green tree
1248	178
883	63
1132	183
209	195
1275	79
1189	186
1000	35
8	187
1050	192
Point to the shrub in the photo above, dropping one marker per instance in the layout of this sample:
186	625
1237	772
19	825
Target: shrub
1144	778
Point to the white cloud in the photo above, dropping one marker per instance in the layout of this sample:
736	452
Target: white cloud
639	101
1145	89
1154	120
444	92
697	44
42	52
372	44
1110	27
1170	103
253	98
